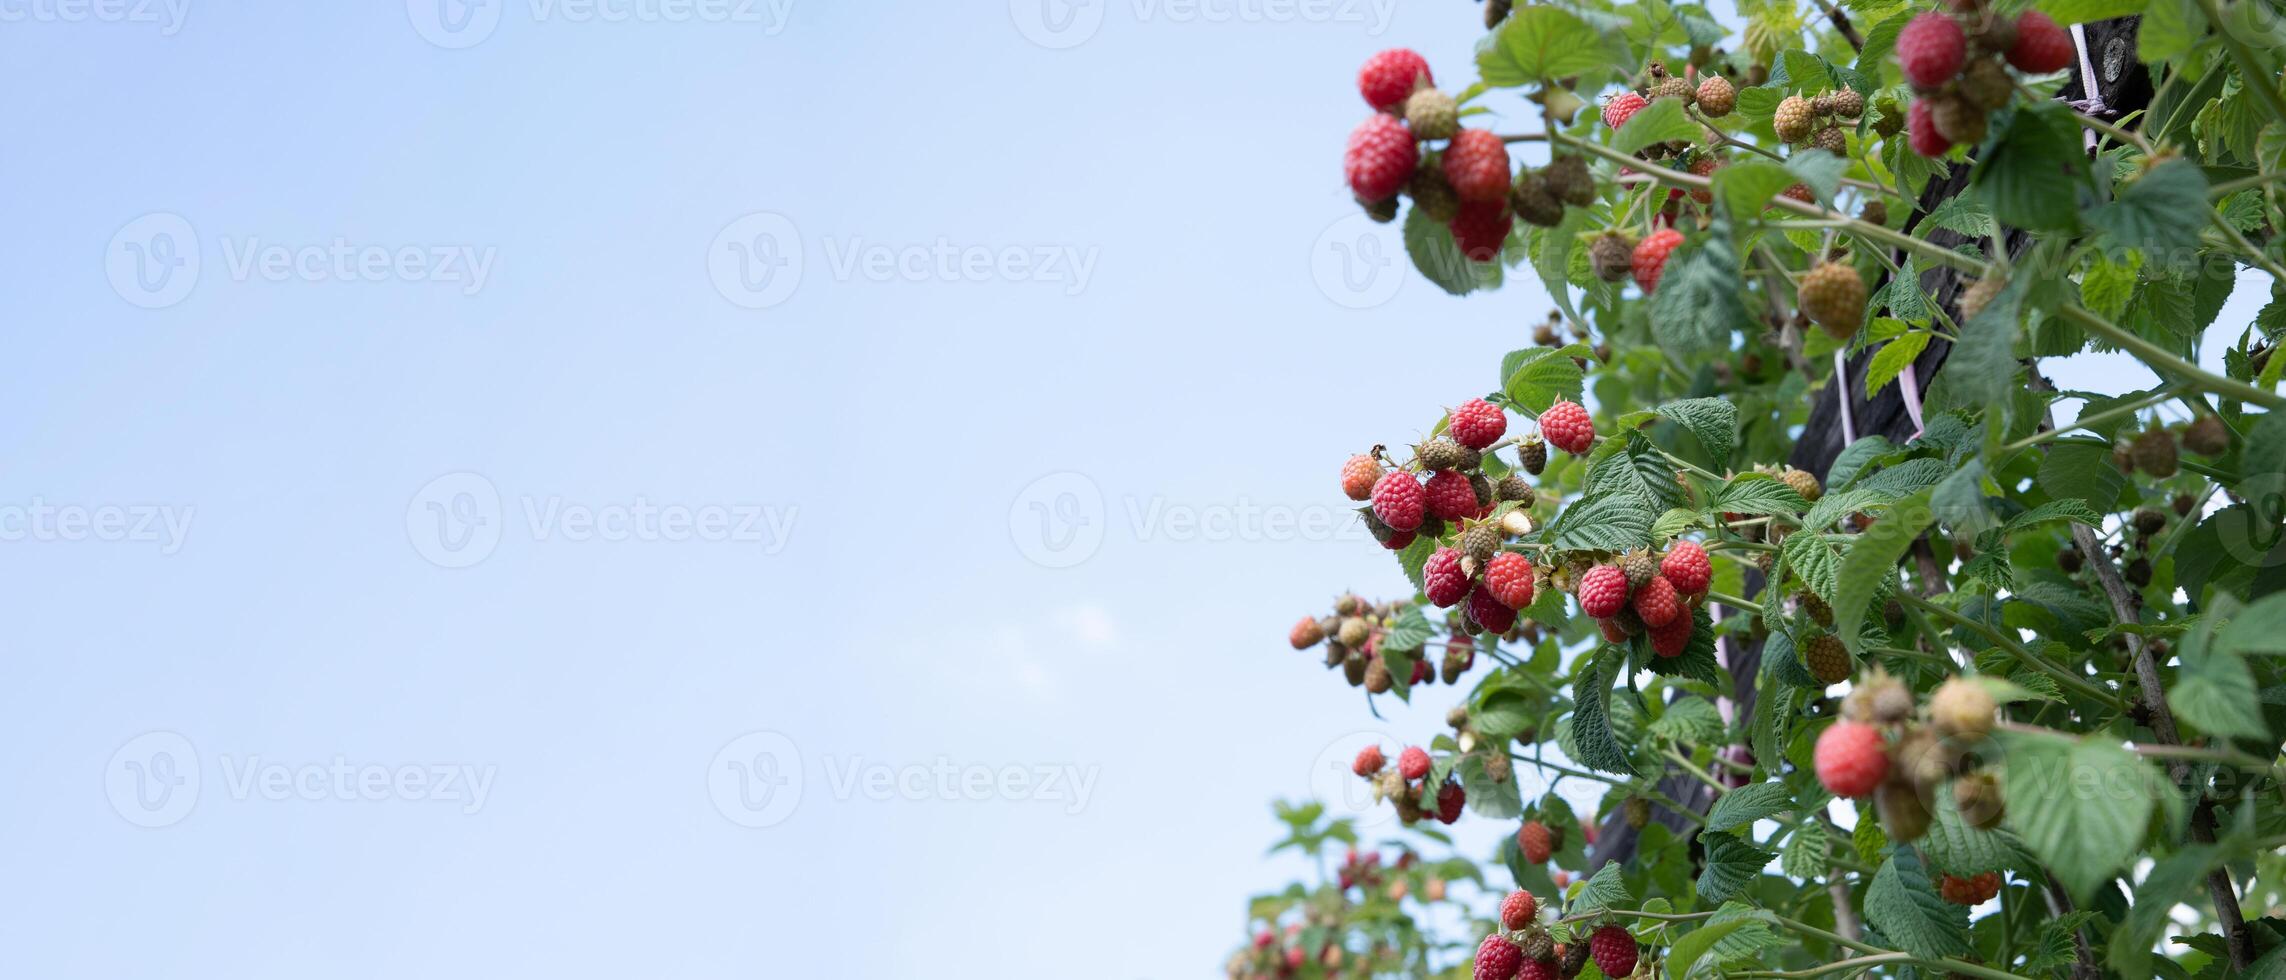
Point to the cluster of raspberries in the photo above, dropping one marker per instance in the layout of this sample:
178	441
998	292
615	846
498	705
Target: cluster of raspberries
1352	637
1407	784
1901	756
1523	949
1956	62
1648	593
1466	183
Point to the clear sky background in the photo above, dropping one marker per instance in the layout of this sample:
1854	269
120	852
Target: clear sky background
851	392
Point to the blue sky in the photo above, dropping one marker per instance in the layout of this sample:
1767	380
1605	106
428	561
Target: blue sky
430	531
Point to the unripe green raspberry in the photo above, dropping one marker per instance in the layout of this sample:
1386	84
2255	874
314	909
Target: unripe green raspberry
1793	119
1432	114
1961	708
1716	97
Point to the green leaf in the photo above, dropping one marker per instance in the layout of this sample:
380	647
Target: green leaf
1805	853
1758	493
1409	632
2068	509
1539	42
1712	421
2031	171
1690	720
1853	460
1415	557
1487	797
1981	369
1697	304
1870	564
1598	748
2164	210
1959	500
1905	907
1606	890
1661	121
1535	377
1696	944
1955	848
2214	689
1893	358
2081	469
1747	186
1731	864
1603	522
2085	11
1819	169
1438	258
1749	803
2080	806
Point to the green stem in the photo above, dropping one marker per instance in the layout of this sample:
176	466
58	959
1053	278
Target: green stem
2165	362
2086	421
1957	966
1735	602
2003	641
2229	187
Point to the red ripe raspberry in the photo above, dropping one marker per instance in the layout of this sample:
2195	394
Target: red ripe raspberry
1921	130
1658	603
1477	423
1449	495
1650	259
1399	501
1540	970
1359	475
1369	761
1388	77
1412	763
1498	959
1619	108
1973	890
1612	633
2041	46
1421	672
1517	910
1508	578
1589	830
1566	426
1674	638
1481	227
1931	49
1535	841
1476	164
1602	591
1851	759
1442	578
1399	541
1613	950
1686	567
1450	799
1489	613
1380	158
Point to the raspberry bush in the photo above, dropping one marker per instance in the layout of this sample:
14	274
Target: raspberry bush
1886	655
